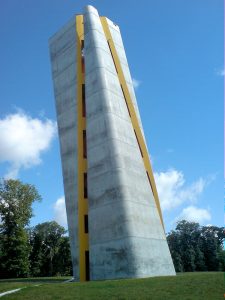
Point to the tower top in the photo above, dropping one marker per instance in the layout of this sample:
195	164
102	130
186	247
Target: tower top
90	9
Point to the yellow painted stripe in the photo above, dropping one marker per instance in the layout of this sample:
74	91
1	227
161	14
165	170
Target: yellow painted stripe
82	163
132	112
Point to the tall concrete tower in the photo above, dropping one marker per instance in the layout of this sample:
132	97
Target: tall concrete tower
114	218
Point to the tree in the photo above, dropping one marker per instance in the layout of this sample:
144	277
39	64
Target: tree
16	201
196	248
212	238
188	233
62	260
222	260
50	254
175	250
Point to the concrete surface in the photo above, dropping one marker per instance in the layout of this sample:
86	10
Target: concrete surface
63	59
126	238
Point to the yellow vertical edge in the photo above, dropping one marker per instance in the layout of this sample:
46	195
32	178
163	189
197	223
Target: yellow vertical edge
133	116
82	163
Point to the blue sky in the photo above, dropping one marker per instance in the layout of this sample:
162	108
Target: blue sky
175	52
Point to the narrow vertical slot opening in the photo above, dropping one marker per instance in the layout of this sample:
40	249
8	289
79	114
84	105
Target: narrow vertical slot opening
85	223
84	144
85	186
125	100
82	56
87	267
82	65
138	144
149	181
112	56
83	101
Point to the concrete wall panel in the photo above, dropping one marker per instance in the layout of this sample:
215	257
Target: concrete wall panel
63	59
122	210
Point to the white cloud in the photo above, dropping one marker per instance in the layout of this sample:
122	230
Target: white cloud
195	214
23	139
136	83
60	211
173	191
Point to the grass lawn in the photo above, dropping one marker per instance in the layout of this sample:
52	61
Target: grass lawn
12	284
188	286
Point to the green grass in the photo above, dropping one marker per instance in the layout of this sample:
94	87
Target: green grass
188	286
11	284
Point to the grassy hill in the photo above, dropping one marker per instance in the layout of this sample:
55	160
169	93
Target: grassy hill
185	286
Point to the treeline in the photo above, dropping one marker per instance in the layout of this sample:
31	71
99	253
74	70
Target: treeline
39	251
49	250
44	249
197	248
